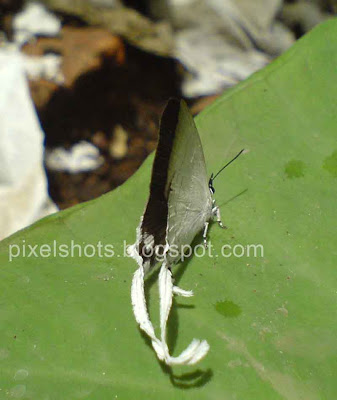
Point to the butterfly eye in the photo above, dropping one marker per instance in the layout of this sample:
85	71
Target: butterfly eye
210	185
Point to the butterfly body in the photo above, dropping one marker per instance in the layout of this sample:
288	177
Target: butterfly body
180	206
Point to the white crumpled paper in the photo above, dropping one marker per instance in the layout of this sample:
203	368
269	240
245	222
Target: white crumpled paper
23	184
81	157
34	20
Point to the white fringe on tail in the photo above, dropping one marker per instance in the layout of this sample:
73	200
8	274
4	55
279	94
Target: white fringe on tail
196	350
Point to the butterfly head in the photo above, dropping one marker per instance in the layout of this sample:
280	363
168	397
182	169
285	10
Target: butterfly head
210	184
211	179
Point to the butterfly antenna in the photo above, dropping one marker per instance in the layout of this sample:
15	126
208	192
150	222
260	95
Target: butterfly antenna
213	177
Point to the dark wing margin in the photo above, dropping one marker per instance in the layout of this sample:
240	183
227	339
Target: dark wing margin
155	216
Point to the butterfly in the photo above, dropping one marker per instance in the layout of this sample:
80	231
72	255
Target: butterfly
180	205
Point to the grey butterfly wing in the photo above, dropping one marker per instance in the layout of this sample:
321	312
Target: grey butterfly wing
153	226
179	201
189	198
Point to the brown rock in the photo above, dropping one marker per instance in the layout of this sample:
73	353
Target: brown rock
82	50
41	91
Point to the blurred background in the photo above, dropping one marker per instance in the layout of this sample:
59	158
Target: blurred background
84	82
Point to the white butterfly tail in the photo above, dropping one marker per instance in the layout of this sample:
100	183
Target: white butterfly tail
196	350
181	292
140	311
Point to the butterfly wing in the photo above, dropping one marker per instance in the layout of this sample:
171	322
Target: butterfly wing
180	202
153	225
189	198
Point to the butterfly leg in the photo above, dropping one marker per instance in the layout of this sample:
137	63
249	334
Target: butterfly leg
216	213
204	235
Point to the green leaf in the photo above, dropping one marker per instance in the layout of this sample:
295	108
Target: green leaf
66	325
